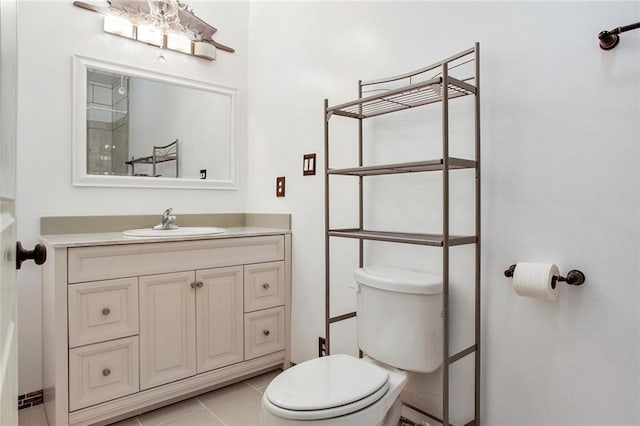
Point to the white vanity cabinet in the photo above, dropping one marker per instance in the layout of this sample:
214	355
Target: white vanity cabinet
131	325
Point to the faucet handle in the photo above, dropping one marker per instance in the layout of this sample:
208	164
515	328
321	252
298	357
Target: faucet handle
167	217
168	220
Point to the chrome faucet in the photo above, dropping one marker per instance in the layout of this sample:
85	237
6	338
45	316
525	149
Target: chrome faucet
168	221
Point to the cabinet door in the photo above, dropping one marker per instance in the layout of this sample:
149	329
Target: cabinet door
219	317
167	328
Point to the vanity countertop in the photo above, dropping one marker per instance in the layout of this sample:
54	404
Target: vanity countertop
111	238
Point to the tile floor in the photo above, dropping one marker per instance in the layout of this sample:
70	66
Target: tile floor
235	405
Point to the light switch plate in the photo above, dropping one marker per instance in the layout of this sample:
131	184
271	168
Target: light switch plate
280	186
309	164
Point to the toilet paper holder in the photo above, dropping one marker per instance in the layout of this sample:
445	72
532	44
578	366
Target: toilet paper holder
574	277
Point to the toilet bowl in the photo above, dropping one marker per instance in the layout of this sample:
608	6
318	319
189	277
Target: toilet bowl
335	390
399	328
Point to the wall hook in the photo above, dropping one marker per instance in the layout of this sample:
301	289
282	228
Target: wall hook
610	39
574	277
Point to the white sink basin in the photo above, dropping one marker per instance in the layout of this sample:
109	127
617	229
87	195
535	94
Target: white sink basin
187	231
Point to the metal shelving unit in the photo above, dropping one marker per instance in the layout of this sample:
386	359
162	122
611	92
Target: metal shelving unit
161	154
411	90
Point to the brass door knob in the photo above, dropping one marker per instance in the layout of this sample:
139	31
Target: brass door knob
199	284
106	372
265	286
106	311
266	332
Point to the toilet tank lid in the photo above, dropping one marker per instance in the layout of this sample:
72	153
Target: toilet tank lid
399	280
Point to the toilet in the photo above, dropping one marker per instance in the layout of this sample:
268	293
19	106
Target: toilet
399	326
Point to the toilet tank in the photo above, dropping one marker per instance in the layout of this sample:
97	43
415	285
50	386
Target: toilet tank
399	317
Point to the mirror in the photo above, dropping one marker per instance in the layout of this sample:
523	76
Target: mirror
141	128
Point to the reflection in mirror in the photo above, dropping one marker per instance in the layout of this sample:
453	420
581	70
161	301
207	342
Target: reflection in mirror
107	123
140	127
146	129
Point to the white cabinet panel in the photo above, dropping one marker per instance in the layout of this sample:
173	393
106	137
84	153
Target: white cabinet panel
102	372
264	286
102	310
264	332
219	317
167	328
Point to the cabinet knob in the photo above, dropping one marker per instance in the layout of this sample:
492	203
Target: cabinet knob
106	311
106	372
199	284
193	285
266	332
265	286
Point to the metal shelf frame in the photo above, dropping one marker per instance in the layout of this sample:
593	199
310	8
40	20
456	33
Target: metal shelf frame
412	167
434	240
411	90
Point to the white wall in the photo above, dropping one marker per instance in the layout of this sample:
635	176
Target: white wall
50	33
560	134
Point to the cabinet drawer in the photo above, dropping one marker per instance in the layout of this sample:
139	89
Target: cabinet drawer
128	260
263	286
103	371
263	332
102	310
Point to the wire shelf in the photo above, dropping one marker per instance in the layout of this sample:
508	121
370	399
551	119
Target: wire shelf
411	96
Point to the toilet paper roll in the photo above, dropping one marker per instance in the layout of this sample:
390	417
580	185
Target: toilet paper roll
534	280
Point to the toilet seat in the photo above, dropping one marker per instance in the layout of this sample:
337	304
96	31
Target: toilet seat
326	387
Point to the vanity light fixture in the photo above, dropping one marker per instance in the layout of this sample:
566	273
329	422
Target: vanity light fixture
144	33
168	24
119	26
179	42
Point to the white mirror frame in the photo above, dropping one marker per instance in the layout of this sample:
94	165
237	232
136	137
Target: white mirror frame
79	157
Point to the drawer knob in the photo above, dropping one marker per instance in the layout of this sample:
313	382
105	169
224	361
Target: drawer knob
265	286
266	332
106	372
106	311
199	284
193	285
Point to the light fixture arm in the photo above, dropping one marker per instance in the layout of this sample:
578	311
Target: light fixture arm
610	39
